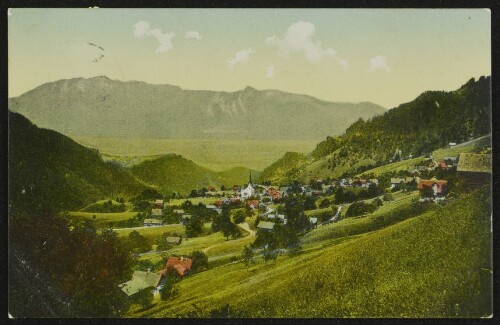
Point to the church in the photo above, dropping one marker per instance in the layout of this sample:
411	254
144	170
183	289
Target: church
249	191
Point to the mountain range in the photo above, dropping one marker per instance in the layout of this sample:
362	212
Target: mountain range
102	107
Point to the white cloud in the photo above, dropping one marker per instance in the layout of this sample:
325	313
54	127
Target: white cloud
299	39
270	72
194	35
242	56
379	62
142	28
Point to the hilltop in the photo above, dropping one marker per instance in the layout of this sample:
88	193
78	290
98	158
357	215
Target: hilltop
431	121
50	170
174	173
102	107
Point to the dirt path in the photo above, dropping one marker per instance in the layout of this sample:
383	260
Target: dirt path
243	226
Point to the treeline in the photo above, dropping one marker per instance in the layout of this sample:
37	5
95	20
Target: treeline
431	121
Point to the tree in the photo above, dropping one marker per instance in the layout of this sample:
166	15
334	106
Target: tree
324	203
222	188
270	255
137	242
194	227
247	256
200	261
239	216
143	298
170	289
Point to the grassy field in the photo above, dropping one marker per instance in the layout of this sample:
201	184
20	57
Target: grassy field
217	155
194	200
471	146
435	265
153	232
102	219
400	165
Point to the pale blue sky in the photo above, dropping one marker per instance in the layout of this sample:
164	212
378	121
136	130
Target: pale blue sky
387	56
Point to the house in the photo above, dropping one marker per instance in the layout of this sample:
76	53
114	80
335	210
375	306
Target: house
284	190
441	164
140	280
152	222
314	222
359	182
178	211
185	219
438	186
211	206
219	203
211	188
158	204
474	169
234	201
396	182
266	225
373	181
411	179
219	211
158	213
174	240
177	265
253	204
452	144
282	218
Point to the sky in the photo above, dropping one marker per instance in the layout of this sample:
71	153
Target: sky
386	56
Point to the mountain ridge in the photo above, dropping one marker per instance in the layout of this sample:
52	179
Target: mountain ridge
100	106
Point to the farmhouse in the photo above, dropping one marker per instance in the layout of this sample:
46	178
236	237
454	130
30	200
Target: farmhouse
253	204
156	213
266	225
140	280
152	222
158	204
474	169
177	265
438	186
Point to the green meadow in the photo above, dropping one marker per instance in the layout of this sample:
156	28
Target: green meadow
433	264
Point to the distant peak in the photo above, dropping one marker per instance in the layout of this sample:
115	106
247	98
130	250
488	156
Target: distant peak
100	78
248	88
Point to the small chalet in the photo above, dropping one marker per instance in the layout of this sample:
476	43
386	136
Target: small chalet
152	222
474	169
359	182
314	222
174	240
140	280
452	144
211	206
177	265
158	213
438	186
211	188
266	225
158	204
179	211
219	203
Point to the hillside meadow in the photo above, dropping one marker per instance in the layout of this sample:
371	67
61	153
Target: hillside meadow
435	264
217	155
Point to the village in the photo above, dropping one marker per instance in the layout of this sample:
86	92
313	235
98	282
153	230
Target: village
262	210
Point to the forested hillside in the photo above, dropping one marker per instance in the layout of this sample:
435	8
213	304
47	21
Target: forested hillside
431	121
174	173
48	170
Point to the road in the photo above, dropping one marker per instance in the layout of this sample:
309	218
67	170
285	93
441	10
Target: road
243	226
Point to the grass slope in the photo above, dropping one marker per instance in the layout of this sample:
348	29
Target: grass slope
434	265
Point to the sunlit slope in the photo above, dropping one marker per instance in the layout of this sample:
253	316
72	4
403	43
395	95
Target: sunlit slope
434	265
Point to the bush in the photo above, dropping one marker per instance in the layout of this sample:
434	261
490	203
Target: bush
170	289
325	203
200	261
360	208
388	197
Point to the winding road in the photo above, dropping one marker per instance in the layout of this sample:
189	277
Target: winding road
243	226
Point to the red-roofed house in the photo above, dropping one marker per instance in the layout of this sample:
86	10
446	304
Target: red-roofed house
438	186
254	204
177	265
